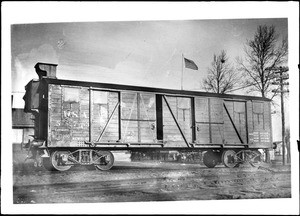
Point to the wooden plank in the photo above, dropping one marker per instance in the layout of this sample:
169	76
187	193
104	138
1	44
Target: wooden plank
55	92
216	110
147	129
147	106
55	118
111	133
217	134
56	104
55	101
201	109
83	135
55	97
55	111
109	129
128	96
257	107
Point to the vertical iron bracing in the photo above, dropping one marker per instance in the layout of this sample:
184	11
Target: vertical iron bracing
90	113
47	105
138	116
271	129
246	123
193	116
119	120
159	117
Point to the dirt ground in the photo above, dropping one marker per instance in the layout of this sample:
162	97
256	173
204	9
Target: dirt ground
147	181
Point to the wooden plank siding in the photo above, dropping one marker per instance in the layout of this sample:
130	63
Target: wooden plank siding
78	114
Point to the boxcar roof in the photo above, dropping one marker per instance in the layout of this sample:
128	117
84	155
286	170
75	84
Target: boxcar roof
150	89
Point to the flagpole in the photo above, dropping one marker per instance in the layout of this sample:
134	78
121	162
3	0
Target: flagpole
182	72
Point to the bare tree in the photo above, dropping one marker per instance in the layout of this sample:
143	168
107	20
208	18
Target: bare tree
262	55
221	76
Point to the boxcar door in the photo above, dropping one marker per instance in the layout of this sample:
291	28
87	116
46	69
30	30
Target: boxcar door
209	120
105	116
235	129
138	117
180	107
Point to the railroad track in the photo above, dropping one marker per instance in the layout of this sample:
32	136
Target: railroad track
197	186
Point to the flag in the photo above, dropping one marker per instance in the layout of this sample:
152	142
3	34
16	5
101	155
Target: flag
190	64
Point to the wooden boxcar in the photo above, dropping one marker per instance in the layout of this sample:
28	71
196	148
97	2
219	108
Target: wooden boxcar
79	123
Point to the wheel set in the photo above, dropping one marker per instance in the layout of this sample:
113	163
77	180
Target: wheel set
63	160
211	159
232	158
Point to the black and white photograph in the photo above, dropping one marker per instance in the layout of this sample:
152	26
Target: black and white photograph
150	108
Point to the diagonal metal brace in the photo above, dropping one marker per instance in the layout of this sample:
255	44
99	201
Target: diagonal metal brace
182	134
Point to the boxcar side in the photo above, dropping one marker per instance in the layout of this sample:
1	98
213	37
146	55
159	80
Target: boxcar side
79	115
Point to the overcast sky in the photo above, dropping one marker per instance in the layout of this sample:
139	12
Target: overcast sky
143	53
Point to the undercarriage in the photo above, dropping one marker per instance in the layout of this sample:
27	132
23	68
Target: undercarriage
58	159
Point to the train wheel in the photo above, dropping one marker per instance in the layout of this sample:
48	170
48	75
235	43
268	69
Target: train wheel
58	160
47	164
211	159
256	158
229	158
105	160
